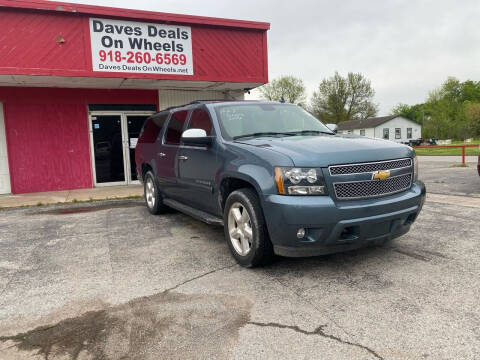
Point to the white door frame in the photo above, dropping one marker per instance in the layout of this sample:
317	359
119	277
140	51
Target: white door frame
125	144
4	166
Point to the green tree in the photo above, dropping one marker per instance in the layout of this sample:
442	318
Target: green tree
450	111
472	115
448	107
286	88
341	98
412	112
439	124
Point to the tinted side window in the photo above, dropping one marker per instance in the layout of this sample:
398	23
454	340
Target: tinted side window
152	128
175	126
201	120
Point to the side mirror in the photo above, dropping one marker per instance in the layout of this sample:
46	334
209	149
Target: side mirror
332	127
196	137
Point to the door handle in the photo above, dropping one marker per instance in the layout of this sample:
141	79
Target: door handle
183	157
161	154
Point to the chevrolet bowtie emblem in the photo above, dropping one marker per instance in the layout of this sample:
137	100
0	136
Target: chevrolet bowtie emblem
381	175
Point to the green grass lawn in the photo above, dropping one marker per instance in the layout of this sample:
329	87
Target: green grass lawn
451	151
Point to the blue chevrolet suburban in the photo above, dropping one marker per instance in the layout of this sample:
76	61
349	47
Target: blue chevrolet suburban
277	179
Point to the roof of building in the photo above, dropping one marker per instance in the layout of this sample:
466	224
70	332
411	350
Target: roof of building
366	123
42	5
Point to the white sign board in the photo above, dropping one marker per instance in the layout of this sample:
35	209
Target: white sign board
137	47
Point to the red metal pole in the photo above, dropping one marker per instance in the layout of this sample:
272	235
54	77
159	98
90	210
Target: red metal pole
463	155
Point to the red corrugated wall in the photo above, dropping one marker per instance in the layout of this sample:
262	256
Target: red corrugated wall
28	46
47	134
48	147
28	41
238	55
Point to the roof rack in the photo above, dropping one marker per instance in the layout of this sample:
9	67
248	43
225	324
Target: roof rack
206	101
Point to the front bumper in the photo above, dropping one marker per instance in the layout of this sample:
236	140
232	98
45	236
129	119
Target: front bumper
335	226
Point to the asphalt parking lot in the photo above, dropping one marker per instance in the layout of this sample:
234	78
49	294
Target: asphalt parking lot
442	175
109	281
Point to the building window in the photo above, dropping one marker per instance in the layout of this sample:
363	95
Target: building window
349	132
386	133
398	133
362	132
409	133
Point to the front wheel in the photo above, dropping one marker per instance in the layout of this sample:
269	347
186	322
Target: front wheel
245	229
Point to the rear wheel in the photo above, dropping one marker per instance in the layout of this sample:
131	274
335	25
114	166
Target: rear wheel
245	229
153	198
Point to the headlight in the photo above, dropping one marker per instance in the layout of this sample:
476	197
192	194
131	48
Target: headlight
300	181
415	168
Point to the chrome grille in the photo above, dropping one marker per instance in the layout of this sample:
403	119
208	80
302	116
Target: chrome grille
369	167
372	188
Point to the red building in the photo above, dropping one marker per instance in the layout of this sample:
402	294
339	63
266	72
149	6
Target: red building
77	82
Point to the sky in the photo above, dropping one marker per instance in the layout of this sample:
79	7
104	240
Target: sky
405	48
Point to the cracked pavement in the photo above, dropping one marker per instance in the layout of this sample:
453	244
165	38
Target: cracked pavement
112	282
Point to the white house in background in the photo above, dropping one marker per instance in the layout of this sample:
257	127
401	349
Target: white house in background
394	127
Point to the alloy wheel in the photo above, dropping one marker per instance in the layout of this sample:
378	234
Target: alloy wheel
150	192
240	229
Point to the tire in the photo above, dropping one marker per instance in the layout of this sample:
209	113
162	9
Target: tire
247	228
153	197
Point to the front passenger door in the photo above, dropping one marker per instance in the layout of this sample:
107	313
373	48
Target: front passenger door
198	166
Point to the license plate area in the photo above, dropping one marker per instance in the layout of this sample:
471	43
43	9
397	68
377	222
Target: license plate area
381	228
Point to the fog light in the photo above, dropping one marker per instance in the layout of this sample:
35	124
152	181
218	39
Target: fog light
301	233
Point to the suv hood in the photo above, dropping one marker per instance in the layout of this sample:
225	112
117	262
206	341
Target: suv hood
325	150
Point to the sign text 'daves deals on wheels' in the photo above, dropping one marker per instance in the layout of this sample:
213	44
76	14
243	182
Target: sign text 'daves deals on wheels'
138	47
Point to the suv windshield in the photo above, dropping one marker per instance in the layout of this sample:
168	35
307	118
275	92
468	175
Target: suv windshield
249	120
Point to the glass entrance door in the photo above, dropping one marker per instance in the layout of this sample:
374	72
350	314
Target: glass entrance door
114	138
108	148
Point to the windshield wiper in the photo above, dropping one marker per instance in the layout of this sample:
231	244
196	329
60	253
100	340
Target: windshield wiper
305	132
269	133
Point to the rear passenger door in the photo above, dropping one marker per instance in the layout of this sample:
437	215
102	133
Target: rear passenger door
198	166
167	152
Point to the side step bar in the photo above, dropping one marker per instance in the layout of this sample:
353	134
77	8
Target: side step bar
197	214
